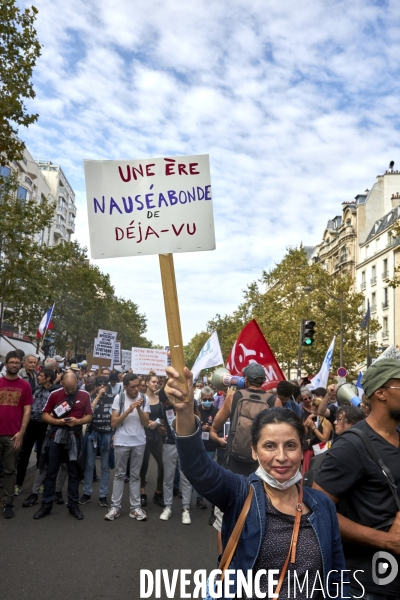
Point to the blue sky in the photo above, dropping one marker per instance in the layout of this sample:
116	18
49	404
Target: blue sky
297	105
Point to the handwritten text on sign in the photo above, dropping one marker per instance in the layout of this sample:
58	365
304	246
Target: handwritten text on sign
145	360
149	206
104	344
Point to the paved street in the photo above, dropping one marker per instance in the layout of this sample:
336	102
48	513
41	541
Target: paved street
59	558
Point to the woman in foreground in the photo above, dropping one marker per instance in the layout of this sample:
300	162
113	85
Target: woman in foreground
277	505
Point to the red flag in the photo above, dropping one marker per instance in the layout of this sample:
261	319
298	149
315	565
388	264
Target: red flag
251	346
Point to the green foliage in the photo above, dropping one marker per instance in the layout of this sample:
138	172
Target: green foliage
21	253
281	307
84	301
19	50
278	302
192	349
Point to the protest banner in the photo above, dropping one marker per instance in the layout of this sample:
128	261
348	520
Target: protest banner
152	206
145	360
117	358
104	344
126	360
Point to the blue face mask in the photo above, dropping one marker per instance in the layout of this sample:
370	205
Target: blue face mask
206	403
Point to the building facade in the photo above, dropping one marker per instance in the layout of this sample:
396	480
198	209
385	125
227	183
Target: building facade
64	224
337	253
378	254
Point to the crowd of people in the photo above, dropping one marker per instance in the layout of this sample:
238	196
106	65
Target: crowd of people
272	451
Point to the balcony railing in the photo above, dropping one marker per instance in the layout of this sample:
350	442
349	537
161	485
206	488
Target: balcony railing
373	307
385	275
62	209
373	280
385	304
385	333
363	285
60	230
71	226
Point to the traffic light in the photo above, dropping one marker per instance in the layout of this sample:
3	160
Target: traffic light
308	333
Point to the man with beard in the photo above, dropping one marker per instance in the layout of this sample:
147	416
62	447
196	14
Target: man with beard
369	517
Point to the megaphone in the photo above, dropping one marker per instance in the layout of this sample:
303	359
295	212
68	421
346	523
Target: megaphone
347	393
83	364
222	379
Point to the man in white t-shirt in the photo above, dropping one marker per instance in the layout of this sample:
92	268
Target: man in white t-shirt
130	416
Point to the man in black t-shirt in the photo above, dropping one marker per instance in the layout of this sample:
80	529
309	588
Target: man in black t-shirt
368	515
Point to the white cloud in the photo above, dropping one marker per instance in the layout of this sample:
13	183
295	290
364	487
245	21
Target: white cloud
296	105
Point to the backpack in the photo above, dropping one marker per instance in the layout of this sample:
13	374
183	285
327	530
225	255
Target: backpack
239	438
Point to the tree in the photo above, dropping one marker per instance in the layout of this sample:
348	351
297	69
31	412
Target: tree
192	349
21	252
281	306
84	301
19	50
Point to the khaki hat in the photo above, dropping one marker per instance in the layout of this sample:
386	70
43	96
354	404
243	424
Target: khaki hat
74	367
378	374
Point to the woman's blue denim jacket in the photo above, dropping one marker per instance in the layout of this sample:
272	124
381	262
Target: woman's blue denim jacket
228	491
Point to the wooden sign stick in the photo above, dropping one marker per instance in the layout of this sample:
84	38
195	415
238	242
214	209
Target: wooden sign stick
172	315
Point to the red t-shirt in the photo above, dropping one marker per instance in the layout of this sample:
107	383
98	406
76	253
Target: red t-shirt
14	395
80	408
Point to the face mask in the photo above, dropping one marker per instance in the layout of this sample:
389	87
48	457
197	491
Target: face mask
207	403
262	473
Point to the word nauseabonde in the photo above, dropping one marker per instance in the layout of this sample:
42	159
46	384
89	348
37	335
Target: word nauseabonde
151	584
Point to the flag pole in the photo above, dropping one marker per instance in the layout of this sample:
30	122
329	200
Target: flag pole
45	331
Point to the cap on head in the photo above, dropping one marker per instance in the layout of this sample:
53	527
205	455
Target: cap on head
58	358
113	376
378	374
254	371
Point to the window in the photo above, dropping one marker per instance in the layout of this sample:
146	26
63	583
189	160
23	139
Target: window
385	327
363	283
373	302
348	221
385	302
5	171
366	251
22	194
385	269
28	180
373	275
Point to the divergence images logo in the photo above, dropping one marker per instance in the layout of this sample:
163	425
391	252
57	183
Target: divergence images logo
381	561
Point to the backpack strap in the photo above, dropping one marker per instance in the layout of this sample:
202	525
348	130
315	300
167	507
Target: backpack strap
377	459
121	402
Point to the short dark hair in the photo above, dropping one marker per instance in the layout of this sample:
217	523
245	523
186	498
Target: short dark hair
296	391
129	377
113	376
12	354
285	389
49	374
320	392
351	413
277	415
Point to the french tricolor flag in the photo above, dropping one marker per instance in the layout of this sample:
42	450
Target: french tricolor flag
45	323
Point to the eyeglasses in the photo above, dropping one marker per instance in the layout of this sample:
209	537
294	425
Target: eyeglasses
391	387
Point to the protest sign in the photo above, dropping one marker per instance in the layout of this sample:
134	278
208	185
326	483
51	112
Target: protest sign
126	360
104	344
149	206
117	358
145	360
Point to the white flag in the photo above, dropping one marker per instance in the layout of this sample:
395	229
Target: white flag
321	380
210	356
